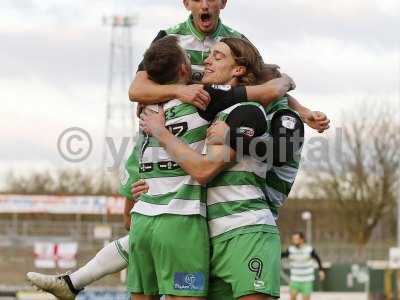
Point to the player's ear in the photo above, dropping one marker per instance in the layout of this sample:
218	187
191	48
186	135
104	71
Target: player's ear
239	71
186	4
223	4
184	71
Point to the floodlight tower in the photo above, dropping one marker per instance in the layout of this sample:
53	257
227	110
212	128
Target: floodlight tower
307	216
120	112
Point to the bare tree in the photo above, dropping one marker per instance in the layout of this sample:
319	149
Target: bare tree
63	182
364	184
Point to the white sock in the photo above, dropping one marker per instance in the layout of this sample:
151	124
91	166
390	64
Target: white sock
111	259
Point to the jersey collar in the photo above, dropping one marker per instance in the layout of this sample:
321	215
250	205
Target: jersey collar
199	35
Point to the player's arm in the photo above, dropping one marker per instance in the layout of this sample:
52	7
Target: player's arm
205	167
315	256
127	213
285	254
145	91
286	129
222	98
271	90
314	119
276	88
201	167
130	175
225	96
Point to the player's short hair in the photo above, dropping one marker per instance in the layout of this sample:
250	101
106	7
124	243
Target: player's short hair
163	60
300	234
245	54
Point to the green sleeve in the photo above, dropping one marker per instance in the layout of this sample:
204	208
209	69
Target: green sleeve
130	174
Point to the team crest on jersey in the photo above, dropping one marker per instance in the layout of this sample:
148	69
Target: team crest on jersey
222	87
288	122
247	131
168	165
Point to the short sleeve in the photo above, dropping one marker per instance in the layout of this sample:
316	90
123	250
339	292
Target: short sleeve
246	122
287	130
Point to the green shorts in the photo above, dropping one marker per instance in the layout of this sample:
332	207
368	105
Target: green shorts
304	288
245	264
168	255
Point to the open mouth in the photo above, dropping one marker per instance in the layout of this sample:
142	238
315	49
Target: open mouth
206	19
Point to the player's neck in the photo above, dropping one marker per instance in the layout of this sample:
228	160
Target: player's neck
232	82
182	81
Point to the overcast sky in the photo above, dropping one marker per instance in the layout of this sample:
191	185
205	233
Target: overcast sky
54	61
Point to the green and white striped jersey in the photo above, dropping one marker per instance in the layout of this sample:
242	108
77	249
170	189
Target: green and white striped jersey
130	174
280	179
196	43
248	195
301	263
171	189
235	198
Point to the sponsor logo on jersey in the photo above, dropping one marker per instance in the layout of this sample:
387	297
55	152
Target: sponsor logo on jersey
189	281
222	87
146	167
247	131
168	165
288	122
259	285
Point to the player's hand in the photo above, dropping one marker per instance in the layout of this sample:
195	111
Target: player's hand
317	120
194	94
139	188
290	82
216	133
152	122
322	275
